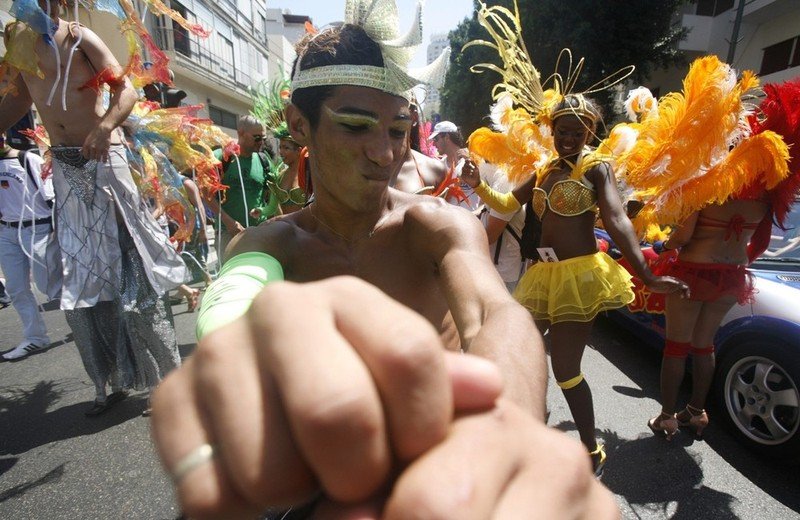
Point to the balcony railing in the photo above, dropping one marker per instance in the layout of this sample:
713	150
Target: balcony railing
195	50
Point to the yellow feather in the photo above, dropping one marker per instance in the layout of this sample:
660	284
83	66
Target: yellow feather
761	158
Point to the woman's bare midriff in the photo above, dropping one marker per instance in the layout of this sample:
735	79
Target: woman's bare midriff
709	244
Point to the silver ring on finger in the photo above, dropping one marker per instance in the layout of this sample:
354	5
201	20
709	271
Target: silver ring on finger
193	460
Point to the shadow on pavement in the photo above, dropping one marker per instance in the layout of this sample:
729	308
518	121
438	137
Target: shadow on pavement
186	349
626	352
27	413
7	464
52	305
634	463
53	475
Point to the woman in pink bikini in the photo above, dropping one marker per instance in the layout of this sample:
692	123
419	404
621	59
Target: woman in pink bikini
716	244
712	260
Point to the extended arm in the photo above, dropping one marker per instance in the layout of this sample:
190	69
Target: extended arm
123	96
616	221
500	202
490	323
196	200
231	224
620	228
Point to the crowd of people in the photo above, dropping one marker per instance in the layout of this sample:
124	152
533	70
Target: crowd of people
373	303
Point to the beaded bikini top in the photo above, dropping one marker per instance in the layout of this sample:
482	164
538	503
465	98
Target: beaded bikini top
568	197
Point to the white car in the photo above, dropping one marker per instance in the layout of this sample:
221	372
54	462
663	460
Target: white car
757	381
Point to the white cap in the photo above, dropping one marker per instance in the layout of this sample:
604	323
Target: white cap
442	127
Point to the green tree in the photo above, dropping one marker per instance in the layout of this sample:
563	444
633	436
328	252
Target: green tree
610	35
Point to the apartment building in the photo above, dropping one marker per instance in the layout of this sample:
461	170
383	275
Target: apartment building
248	43
759	35
432	98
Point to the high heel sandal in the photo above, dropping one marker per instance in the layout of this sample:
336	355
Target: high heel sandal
598	457
664	424
697	421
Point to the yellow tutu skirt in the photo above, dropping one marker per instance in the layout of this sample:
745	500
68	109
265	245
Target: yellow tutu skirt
576	289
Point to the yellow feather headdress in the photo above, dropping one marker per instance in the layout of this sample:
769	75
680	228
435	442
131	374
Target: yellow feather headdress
524	142
522	80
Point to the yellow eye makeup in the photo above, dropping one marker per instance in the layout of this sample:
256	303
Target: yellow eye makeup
351	119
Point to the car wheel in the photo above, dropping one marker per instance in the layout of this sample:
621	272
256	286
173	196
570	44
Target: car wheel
758	389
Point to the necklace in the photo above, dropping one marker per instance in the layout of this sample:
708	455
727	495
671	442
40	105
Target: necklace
350	240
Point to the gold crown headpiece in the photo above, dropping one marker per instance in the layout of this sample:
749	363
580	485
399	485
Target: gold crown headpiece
522	80
379	19
576	105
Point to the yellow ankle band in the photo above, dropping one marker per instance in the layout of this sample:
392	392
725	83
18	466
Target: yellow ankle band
570	383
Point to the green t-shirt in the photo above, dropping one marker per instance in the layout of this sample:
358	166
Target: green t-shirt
237	204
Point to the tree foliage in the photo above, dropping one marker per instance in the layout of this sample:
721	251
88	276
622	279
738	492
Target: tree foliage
610	35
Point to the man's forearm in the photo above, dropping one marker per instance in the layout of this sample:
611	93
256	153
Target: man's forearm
216	209
119	108
509	338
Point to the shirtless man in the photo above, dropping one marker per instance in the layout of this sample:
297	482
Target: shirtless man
361	377
117	261
449	141
419	173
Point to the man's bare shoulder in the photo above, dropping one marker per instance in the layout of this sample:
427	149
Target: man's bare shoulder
94	46
277	237
434	170
77	29
430	216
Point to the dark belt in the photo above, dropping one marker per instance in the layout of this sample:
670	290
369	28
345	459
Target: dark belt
28	223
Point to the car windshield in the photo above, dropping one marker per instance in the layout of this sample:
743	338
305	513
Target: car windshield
785	245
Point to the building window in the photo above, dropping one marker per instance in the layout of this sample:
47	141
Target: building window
222	117
245	8
180	35
780	56
259	59
713	7
225	56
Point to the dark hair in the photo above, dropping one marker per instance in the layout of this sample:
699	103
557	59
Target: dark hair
290	141
413	135
343	45
456	137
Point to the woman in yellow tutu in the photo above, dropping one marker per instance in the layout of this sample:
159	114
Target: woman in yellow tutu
574	281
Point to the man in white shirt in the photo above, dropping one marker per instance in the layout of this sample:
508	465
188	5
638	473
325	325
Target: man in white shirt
448	141
504	231
27	243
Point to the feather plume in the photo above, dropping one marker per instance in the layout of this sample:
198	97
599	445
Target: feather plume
780	113
269	101
519	149
640	103
761	159
682	159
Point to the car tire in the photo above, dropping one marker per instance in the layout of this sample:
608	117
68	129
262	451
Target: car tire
757	387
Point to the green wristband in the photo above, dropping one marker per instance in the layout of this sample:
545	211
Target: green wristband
240	280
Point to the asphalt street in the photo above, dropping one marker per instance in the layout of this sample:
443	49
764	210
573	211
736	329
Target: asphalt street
57	464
